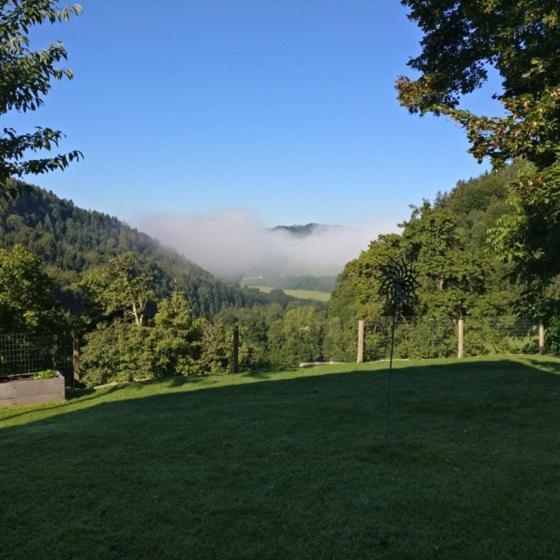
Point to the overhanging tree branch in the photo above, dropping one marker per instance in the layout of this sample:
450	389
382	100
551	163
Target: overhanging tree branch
25	79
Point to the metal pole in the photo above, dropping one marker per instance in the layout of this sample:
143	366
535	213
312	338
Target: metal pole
389	380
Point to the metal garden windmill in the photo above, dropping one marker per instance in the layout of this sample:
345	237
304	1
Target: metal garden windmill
398	285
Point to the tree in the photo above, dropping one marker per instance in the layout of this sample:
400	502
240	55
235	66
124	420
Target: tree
70	240
216	345
452	278
177	337
118	351
459	275
297	337
27	302
124	288
521	40
25	79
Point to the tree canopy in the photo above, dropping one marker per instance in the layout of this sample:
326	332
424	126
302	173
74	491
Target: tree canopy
27	298
458	272
25	79
462	40
71	240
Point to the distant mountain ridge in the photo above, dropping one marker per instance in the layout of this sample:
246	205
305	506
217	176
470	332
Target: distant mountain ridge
306	230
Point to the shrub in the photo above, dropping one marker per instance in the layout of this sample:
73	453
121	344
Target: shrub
45	374
426	337
216	349
117	352
125	351
297	337
339	343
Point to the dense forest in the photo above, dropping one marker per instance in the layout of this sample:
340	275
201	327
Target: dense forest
448	241
487	249
305	230
460	275
450	244
141	309
138	308
70	240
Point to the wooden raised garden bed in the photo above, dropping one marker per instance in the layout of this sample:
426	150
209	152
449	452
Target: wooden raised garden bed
26	388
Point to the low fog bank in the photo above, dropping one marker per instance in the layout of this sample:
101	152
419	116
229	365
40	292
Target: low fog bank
234	242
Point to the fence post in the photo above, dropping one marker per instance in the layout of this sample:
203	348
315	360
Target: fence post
460	337
76	357
235	350
541	338
360	357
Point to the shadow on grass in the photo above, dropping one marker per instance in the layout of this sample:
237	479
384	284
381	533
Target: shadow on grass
436	380
88	395
291	467
84	395
375	376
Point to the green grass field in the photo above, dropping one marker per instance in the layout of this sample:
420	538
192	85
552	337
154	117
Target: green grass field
299	294
292	465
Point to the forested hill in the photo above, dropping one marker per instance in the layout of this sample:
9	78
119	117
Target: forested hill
459	271
306	230
298	230
70	239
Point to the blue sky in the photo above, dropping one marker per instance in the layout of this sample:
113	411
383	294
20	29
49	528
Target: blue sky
286	108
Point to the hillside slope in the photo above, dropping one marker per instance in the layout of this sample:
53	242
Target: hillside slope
70	239
459	273
306	230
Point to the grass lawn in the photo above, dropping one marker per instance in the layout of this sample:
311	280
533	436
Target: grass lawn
309	294
299	294
292	465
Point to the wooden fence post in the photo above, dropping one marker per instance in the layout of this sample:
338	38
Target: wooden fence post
460	338
360	358
235	350
541	338
76	357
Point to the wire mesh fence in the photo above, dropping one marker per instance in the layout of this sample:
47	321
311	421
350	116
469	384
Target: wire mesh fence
500	335
437	337
415	338
29	353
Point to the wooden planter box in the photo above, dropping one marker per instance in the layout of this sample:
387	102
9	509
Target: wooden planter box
19	390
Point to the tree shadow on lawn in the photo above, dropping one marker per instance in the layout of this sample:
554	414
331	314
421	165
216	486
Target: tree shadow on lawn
433	390
126	390
294	468
89	395
84	396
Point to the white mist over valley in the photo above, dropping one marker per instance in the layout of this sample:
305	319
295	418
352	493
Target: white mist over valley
234	243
